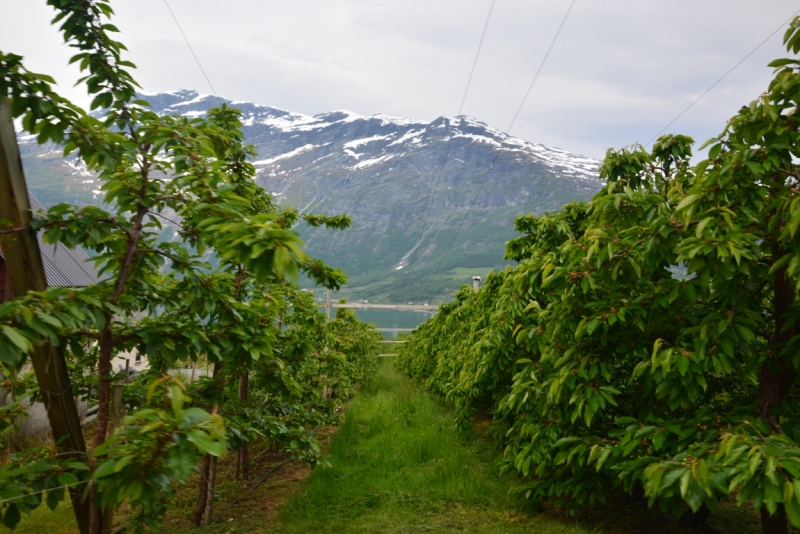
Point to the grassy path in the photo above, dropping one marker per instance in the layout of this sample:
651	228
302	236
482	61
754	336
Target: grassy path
397	467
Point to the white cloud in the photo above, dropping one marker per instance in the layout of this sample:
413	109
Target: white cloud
621	70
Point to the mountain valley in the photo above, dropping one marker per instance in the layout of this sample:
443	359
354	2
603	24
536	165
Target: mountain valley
383	172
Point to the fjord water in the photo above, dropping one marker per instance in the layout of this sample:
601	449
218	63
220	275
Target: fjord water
393	319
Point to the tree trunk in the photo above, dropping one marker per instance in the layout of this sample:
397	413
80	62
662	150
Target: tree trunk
774	524
244	455
116	419
96	525
212	481
696	519
200	507
777	372
777	376
246	462
238	465
26	273
208	471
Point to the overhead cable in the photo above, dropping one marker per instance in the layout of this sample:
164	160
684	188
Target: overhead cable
449	143
508	132
696	100
192	51
541	66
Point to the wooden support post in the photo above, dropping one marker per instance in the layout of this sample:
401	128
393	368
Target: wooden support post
328	304
26	271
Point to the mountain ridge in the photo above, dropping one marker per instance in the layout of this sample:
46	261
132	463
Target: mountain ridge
383	171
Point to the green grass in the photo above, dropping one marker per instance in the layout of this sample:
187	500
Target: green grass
397	466
43	521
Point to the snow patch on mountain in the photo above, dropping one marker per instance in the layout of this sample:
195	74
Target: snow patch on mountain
480	139
370	162
412	135
401	133
358	142
287	155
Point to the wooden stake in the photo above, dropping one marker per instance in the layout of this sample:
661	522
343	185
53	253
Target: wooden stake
26	271
328	303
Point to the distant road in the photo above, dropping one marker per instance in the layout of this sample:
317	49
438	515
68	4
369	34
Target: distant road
366	306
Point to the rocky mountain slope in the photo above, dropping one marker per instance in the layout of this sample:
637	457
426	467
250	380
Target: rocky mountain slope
382	171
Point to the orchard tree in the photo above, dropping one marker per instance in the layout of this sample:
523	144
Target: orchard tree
654	328
159	297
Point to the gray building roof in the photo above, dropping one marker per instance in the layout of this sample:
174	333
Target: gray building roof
63	266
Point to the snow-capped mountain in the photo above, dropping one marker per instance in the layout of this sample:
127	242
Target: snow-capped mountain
383	172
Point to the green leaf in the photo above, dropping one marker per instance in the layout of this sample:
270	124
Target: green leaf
702	226
685	481
123	462
793	511
592	326
22	343
12	516
54	497
204	443
105	469
683	364
688	201
635	266
49	319
694	495
794	221
656	349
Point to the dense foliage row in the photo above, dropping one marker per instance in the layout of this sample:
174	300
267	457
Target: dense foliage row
279	368
648	340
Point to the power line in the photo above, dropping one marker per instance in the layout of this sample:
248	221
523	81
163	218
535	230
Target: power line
449	142
508	131
544	60
475	62
696	100
192	51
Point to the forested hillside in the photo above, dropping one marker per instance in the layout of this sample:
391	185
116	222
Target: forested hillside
382	171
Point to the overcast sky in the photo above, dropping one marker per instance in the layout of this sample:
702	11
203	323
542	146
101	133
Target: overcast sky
620	71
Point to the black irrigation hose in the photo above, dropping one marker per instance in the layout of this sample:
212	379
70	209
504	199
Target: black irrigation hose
257	484
260	454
